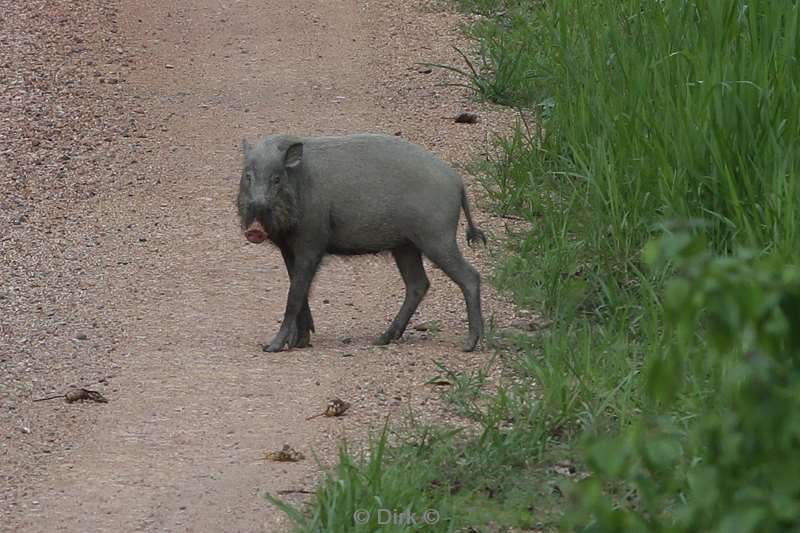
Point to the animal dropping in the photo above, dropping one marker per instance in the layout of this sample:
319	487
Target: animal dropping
287	454
77	394
355	195
336	407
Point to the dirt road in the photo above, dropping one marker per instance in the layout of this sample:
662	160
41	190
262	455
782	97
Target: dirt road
194	403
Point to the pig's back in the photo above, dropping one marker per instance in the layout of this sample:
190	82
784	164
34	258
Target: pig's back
380	191
377	165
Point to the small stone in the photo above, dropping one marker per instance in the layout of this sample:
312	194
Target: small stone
81	336
347	355
515	332
169	66
25	429
523	324
527	324
431	325
347	340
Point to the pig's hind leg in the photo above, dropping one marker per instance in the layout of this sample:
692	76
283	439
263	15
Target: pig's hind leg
409	262
446	255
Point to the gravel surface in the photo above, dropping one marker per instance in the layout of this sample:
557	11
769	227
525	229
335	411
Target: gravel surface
123	269
67	132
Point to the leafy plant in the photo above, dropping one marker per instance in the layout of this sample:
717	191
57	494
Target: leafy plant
720	461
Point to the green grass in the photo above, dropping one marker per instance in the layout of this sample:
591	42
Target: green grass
657	114
380	489
661	174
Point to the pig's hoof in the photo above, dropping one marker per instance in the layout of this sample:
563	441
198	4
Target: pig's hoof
470	344
291	342
274	346
303	341
385	339
290	339
390	335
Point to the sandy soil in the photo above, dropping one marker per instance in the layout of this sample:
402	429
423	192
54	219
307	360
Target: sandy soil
124	269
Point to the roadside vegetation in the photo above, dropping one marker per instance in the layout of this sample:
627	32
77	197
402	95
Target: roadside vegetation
657	157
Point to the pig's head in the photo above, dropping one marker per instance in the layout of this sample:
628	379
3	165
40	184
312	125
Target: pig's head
267	197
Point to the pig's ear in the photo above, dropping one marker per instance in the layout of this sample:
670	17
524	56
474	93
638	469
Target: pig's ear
246	147
294	154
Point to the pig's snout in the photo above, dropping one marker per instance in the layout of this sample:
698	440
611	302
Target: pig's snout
255	233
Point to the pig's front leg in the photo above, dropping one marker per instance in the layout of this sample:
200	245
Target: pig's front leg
300	336
303	270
